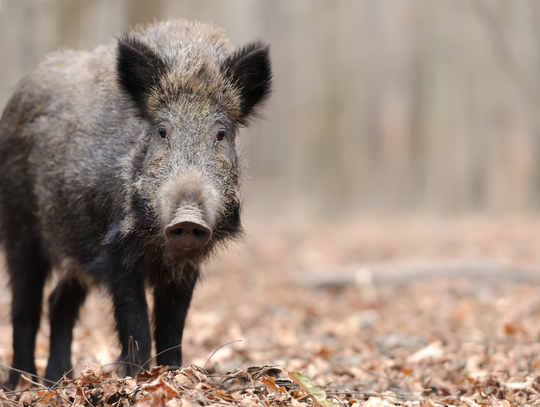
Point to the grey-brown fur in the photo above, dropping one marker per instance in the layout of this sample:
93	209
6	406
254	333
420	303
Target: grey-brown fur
100	153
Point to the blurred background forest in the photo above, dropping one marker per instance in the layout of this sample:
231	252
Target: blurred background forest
379	107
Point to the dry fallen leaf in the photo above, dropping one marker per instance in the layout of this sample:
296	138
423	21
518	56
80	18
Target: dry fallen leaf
189	375
270	385
157	392
91	374
151	374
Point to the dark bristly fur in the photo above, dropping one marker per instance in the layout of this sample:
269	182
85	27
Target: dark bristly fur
100	152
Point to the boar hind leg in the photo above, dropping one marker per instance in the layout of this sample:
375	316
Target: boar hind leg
171	304
64	304
28	271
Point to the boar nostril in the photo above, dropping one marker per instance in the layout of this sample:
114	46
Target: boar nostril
199	232
177	232
188	235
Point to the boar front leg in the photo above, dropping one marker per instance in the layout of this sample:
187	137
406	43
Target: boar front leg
171	305
131	314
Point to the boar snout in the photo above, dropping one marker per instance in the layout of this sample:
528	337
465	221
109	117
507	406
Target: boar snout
188	234
188	229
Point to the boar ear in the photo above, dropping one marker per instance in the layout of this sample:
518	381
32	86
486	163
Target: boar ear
139	69
249	69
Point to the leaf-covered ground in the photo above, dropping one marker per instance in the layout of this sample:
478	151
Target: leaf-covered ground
393	312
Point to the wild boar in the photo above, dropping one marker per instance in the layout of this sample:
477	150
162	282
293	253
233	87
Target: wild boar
118	167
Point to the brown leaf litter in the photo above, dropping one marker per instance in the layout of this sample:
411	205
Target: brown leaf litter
373	313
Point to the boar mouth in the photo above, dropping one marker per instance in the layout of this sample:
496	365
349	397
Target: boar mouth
188	230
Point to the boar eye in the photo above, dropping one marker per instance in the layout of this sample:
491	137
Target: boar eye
219	136
163	133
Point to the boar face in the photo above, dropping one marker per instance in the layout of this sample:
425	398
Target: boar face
193	100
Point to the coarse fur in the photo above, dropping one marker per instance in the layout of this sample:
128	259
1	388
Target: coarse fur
99	152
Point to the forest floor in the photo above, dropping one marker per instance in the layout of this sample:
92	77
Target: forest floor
375	312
